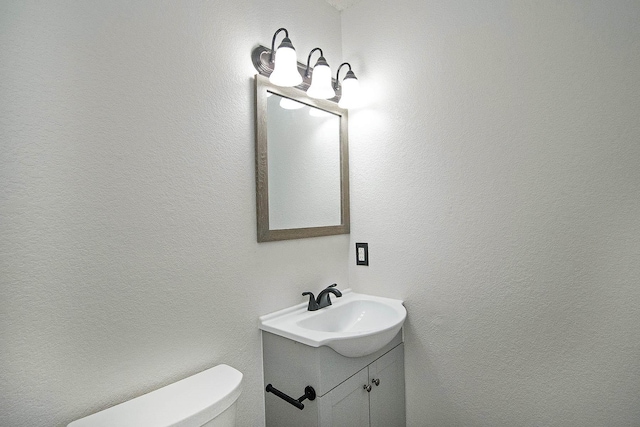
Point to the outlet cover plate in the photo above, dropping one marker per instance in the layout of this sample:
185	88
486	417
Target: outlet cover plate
362	254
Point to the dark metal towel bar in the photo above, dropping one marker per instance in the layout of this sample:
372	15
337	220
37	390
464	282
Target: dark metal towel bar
309	393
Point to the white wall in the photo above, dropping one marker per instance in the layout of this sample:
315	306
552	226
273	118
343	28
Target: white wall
128	254
496	177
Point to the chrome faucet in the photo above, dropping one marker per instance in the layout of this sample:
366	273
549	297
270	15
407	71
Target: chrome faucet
323	299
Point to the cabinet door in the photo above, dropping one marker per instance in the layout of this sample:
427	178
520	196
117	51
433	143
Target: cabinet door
347	404
387	398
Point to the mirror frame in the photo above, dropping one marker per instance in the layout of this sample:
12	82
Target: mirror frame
265	234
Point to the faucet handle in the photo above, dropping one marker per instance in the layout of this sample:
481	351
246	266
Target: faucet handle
313	304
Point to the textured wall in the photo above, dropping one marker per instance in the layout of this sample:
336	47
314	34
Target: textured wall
496	176
128	254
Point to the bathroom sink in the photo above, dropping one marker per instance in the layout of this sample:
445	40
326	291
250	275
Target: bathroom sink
355	325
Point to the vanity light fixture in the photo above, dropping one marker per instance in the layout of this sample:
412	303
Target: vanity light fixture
282	69
350	88
321	87
285	65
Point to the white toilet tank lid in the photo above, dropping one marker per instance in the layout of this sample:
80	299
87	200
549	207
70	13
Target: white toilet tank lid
190	402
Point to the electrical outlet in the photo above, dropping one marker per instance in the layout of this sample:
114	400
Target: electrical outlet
362	254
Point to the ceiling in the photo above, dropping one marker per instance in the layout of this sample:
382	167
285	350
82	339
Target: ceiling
342	4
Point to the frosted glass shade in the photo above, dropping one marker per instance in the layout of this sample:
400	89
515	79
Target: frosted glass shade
321	87
285	70
350	91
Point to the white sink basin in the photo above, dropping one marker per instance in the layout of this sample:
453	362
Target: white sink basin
355	325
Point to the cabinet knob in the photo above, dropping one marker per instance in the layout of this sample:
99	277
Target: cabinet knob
367	387
376	381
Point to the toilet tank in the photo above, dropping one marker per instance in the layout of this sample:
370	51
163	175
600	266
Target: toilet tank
192	402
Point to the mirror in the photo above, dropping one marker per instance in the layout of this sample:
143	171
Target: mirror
302	164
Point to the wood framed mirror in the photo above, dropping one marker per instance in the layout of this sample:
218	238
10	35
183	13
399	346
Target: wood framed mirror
302	164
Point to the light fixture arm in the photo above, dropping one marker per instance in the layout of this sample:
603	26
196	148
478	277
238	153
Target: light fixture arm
307	71
338	73
273	42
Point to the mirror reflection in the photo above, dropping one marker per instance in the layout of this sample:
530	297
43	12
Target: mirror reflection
304	165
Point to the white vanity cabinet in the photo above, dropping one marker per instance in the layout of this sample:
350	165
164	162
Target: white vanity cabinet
350	392
372	397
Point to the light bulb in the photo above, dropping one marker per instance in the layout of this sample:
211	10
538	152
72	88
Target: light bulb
285	70
350	91
321	87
